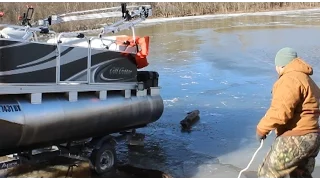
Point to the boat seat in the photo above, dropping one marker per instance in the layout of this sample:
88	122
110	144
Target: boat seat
9	32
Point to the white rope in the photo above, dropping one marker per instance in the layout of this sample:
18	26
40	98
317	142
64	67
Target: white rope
254	155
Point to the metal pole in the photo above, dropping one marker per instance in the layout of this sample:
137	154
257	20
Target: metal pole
89	61
58	60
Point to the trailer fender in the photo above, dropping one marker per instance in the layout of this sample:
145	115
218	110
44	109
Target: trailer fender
98	142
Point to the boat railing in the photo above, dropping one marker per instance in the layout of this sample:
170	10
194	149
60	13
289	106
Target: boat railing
129	21
89	55
72	88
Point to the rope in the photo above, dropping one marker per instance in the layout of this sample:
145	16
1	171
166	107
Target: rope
254	155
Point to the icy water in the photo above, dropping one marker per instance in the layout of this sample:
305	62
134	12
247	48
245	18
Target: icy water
222	66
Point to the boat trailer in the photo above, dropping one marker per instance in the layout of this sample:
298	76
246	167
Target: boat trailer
100	152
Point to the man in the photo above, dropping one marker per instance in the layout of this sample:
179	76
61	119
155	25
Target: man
293	114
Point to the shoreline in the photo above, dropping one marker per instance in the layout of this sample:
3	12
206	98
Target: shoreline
228	15
162	11
155	20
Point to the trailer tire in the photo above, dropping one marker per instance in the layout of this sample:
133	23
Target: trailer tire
103	160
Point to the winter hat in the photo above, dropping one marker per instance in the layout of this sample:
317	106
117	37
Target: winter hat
285	56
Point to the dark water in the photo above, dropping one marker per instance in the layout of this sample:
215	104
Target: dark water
224	68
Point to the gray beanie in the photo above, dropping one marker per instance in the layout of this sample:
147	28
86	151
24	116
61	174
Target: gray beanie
285	56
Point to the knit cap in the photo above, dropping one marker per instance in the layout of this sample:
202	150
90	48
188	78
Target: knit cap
285	56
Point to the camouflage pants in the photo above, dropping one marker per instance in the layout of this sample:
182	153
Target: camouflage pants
291	155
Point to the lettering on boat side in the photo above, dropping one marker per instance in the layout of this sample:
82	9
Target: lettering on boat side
10	108
120	71
6	165
116	70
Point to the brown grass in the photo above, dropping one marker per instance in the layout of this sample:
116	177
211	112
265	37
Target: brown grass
58	168
160	9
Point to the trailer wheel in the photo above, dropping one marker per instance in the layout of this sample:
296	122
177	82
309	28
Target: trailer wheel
103	160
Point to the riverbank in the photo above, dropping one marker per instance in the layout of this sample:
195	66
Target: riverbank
160	10
151	21
228	15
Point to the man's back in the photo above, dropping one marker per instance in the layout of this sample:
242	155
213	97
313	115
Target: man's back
295	104
306	112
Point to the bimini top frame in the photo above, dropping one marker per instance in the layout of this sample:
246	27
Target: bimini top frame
129	20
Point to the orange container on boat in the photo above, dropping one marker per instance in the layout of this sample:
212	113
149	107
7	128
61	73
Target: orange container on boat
142	53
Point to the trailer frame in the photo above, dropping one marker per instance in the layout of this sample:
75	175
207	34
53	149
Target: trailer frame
92	150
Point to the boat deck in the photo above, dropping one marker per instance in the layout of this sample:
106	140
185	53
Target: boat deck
35	91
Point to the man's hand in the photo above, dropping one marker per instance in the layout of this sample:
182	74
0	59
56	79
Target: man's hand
259	137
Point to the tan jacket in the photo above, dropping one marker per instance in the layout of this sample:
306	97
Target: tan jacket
294	109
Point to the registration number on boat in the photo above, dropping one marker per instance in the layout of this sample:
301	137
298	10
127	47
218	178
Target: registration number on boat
10	108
